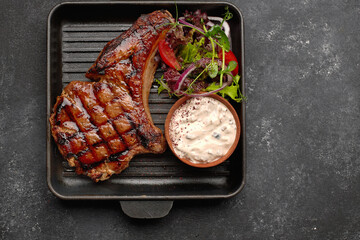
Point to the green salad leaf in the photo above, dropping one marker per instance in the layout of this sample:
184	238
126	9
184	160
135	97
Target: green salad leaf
193	52
163	86
232	91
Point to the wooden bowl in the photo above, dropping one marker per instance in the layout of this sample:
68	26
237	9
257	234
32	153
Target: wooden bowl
213	163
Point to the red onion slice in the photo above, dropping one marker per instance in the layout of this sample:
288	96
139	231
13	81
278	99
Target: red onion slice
191	68
227	83
181	20
183	76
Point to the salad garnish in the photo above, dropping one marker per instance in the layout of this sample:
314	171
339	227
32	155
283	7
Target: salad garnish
197	58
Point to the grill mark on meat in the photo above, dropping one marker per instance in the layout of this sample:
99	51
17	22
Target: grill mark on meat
109	120
86	167
85	131
118	156
100	126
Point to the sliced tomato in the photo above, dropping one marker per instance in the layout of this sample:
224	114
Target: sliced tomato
230	56
168	55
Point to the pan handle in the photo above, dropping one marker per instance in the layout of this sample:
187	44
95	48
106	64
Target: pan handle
146	209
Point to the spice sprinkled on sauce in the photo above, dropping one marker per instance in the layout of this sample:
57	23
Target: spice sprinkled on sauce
202	130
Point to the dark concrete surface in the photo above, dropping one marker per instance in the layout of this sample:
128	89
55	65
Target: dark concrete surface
303	125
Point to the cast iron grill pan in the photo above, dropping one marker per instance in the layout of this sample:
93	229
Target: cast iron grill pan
77	32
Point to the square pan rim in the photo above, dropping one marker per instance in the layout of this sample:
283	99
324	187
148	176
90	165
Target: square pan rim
143	197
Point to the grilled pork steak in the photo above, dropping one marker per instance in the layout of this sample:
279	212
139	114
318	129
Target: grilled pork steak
100	126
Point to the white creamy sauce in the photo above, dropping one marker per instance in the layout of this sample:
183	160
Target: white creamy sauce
202	130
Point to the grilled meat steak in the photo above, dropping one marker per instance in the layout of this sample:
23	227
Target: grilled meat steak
100	126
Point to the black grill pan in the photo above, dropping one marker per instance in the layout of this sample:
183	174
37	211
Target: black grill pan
77	32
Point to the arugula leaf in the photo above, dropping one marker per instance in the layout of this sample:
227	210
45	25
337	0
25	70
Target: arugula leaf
163	86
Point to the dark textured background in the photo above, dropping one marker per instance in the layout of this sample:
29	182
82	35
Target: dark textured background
303	124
